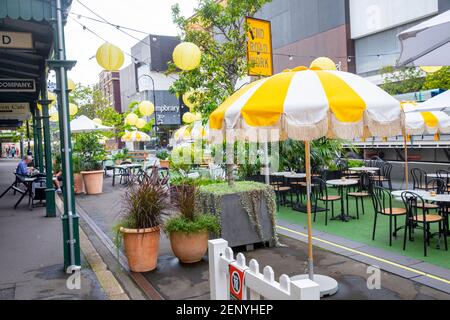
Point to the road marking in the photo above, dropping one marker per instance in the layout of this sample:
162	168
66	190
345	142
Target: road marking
369	256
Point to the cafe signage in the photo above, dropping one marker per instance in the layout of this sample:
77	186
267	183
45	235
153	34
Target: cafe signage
16	40
17	85
259	47
15	111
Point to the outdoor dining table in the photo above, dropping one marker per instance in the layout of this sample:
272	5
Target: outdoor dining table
432	175
364	169
397	194
342	184
125	170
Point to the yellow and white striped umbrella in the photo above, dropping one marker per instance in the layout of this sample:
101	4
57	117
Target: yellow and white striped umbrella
309	104
195	131
136	136
431	122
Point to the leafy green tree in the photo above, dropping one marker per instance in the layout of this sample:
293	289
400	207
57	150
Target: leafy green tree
219	29
221	33
404	80
438	80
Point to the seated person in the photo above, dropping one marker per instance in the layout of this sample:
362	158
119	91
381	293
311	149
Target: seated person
22	168
57	174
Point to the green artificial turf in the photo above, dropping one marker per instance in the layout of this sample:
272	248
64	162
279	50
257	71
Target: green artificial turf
361	231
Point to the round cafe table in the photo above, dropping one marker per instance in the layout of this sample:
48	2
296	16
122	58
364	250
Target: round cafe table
398	193
364	169
342	184
432	175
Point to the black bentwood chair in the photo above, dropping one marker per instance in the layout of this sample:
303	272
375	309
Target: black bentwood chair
382	203
417	217
419	179
320	192
364	191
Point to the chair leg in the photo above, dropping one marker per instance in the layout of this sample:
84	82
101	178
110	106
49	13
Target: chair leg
395	226
425	240
404	235
357	208
362	203
444	226
390	230
374	225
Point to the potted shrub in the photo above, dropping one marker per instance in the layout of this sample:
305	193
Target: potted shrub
121	156
139	229
92	153
189	230
163	157
78	183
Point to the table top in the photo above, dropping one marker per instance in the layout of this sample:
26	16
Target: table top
125	166
342	182
433	175
437	198
364	169
288	174
398	193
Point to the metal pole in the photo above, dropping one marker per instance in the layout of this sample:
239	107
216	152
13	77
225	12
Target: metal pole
66	156
308	209
28	138
40	154
405	144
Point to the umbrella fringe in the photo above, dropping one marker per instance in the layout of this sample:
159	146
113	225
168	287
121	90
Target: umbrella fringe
385	128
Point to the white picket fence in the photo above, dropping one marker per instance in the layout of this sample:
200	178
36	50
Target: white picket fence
256	285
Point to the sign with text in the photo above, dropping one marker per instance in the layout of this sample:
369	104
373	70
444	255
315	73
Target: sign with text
17	85
167	115
236	283
259	47
15	111
16	40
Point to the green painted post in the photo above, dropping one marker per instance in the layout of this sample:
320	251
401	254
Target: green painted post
70	218
40	154
50	190
35	143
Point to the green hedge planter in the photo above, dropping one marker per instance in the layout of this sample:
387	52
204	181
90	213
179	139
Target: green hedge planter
246	212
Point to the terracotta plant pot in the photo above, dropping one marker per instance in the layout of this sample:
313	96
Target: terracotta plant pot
164	163
78	183
141	248
93	181
189	247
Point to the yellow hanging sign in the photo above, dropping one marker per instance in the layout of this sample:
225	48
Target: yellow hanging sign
259	47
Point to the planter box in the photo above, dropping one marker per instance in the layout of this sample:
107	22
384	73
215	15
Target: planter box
236	226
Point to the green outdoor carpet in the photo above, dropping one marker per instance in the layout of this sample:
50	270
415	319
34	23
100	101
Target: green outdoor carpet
361	231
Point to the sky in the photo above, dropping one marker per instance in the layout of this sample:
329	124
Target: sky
151	16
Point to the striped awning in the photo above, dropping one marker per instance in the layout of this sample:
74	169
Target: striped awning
431	122
306	104
192	132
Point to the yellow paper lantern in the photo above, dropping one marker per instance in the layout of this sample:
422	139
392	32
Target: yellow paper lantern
70	85
431	69
140	123
73	109
186	100
188	118
187	56
110	57
147	108
98	121
131	119
323	63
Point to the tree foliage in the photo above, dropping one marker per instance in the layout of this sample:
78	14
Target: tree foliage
220	32
412	79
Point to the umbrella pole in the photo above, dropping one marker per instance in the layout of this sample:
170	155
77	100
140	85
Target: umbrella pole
308	209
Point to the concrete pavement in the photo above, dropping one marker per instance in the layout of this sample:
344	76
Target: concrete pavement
31	252
178	281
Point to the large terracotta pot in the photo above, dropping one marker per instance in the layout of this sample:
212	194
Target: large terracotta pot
164	164
78	183
93	181
189	247
141	248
